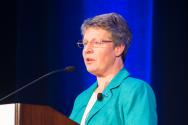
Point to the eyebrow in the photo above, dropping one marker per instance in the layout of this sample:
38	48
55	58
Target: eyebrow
88	40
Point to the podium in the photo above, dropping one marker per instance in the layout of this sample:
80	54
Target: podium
28	114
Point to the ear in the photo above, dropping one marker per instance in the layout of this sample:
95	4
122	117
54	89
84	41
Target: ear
119	49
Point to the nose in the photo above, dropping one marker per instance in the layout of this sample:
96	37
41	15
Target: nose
88	49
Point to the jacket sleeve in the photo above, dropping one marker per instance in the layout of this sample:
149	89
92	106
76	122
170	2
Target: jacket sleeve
78	108
74	114
141	106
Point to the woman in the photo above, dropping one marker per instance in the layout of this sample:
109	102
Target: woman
115	98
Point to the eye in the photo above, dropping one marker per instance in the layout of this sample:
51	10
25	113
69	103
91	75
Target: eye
97	42
85	43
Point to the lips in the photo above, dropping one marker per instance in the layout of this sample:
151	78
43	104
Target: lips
89	60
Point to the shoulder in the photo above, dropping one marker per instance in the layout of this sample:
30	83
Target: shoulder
137	98
79	106
134	84
136	88
81	96
84	96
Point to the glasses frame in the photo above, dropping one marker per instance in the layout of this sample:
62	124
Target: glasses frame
94	44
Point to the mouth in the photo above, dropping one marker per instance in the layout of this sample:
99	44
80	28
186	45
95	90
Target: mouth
89	60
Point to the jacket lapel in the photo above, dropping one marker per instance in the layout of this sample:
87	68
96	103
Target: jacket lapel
97	106
86	97
107	94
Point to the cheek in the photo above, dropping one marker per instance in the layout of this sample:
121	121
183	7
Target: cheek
105	57
83	54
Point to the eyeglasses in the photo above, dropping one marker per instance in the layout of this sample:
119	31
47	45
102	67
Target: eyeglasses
94	44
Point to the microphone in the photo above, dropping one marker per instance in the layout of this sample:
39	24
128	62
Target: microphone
99	96
67	69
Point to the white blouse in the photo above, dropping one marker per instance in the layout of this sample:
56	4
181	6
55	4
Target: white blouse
89	107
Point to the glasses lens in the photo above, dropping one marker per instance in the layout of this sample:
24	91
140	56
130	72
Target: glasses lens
80	44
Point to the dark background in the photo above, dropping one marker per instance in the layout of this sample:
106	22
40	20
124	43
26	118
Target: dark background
169	71
32	38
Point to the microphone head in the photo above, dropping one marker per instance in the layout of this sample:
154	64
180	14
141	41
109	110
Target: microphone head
99	96
69	69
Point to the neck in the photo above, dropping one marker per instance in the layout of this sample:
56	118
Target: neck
104	80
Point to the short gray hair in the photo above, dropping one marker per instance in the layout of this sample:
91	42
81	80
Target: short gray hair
113	23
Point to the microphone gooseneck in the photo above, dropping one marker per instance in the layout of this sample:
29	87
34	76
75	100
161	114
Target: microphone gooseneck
67	69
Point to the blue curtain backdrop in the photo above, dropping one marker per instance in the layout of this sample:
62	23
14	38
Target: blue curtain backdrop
138	13
64	31
40	36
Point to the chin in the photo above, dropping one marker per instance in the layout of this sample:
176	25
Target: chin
91	70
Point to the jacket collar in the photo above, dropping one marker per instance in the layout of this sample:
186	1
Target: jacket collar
115	82
122	74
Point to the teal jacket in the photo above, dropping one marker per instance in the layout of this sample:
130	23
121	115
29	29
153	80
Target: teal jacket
126	101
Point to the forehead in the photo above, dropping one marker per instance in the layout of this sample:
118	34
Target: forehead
96	33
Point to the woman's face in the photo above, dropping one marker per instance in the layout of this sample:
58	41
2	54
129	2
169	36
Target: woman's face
99	59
